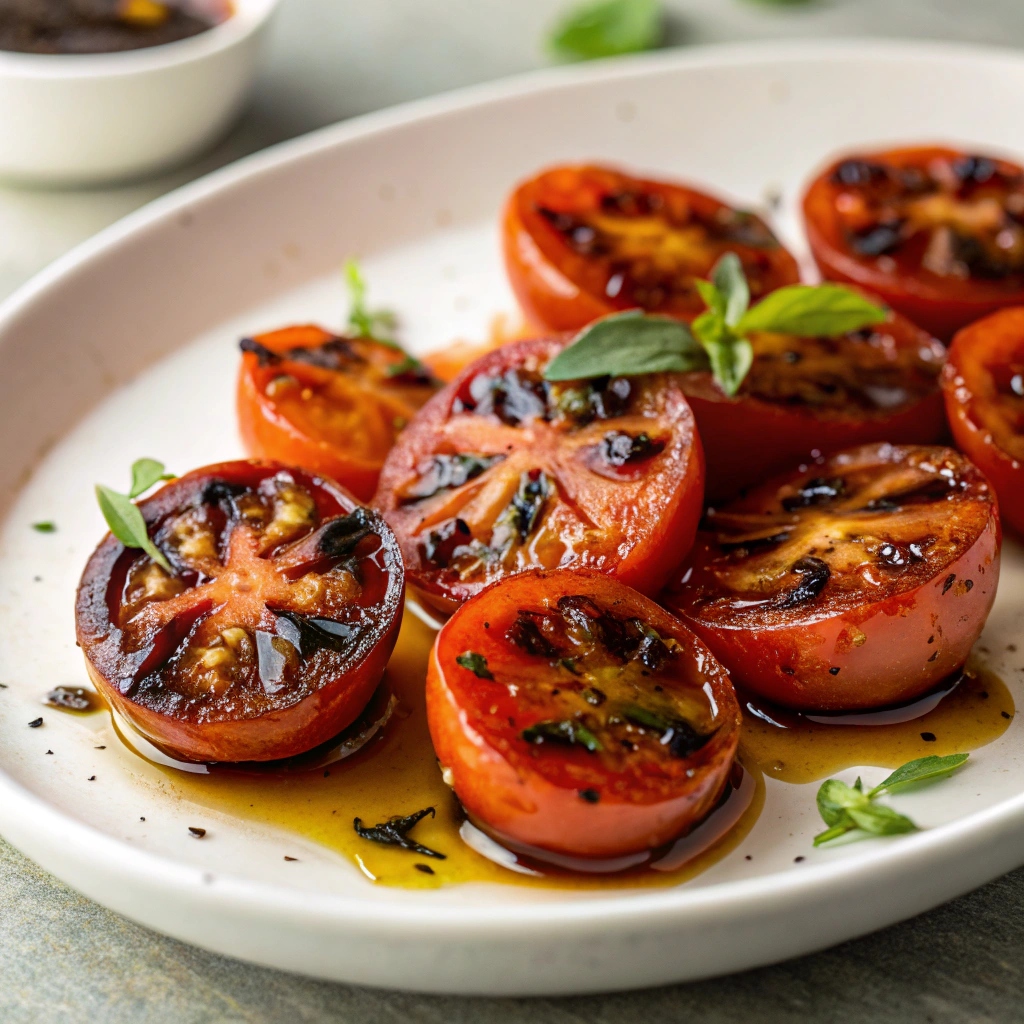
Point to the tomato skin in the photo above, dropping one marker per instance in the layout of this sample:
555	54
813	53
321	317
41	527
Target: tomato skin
652	531
748	439
517	802
282	732
940	305
548	277
970	393
853	656
269	432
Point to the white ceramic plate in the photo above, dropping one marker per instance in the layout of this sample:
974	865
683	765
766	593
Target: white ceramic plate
127	347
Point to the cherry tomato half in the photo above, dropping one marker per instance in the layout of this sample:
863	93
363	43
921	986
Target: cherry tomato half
583	242
806	397
503	471
937	233
859	583
332	405
984	387
574	715
273	630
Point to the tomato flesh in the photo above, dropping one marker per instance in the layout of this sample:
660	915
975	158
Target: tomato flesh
573	715
806	397
938	233
858	582
504	472
583	242
271	633
983	384
333	405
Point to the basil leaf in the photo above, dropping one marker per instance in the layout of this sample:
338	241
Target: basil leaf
731	283
835	832
45	527
626	344
146	473
608	28
475	663
127	525
880	820
931	767
835	798
730	356
713	298
822	310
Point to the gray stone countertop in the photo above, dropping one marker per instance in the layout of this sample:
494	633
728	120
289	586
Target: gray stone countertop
65	959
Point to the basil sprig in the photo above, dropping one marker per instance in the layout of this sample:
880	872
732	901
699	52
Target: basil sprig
632	343
608	28
848	809
123	515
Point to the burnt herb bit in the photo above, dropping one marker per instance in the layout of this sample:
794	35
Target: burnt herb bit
71	698
621	449
446	472
849	809
196	832
45	527
678	735
35	723
814	574
395	832
527	632
567	730
527	504
475	663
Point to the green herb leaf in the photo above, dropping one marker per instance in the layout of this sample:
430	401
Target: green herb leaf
834	833
376	324
713	298
127	525
46	527
566	731
626	344
730	356
731	284
811	310
475	663
146	473
924	768
835	798
879	820
607	29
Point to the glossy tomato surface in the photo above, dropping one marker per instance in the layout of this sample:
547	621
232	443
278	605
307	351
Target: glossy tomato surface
272	631
503	472
573	715
860	583
806	397
330	404
583	242
937	233
984	388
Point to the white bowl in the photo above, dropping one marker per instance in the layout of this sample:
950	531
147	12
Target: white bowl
83	119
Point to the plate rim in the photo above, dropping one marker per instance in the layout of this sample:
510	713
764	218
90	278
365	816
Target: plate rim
28	819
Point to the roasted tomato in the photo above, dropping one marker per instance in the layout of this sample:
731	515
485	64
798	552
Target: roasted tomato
806	397
271	633
859	583
582	242
503	471
984	388
573	715
332	405
936	232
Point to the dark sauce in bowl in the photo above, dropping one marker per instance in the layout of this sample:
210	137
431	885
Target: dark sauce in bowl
104	26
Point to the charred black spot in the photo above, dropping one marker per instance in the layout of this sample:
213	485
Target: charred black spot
446	472
528	502
818	491
513	398
948	582
632	204
834	670
309	634
590	795
678	735
814	574
621	449
936	489
858	173
877	240
894	554
592	695
440	546
974	170
395	832
264	355
527	633
340	537
220	492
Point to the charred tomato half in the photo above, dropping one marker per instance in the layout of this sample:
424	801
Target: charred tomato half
583	242
573	715
333	405
272	631
859	582
984	387
937	233
503	471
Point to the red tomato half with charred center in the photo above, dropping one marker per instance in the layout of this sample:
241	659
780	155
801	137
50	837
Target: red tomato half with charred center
806	397
984	388
859	583
575	716
503	471
330	404
937	233
583	242
272	631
